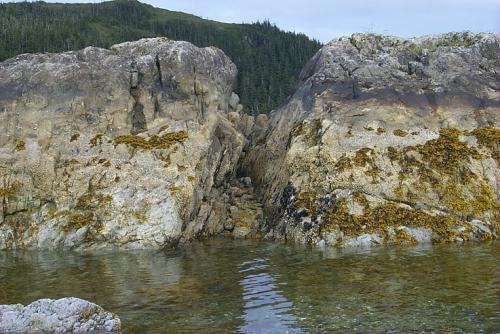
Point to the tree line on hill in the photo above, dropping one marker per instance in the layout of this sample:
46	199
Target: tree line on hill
269	60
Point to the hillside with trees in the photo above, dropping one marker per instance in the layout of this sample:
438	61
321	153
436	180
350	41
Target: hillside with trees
268	59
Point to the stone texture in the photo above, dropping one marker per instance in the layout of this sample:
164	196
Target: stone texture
386	140
130	147
67	315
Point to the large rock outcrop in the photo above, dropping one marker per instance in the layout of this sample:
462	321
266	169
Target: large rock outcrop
387	140
130	147
66	315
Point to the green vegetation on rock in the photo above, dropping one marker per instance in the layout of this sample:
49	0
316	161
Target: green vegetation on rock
459	39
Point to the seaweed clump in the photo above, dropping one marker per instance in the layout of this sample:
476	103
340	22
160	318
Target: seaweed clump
141	216
309	130
20	145
400	133
74	137
96	140
9	191
364	157
489	138
92	200
447	152
387	220
386	217
154	142
443	166
77	220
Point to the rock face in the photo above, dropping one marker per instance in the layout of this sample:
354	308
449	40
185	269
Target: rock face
386	140
67	315
130	147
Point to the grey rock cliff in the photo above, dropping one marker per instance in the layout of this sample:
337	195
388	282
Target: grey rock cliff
129	147
66	315
387	140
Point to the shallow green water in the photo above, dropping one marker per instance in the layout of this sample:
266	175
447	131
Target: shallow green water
250	287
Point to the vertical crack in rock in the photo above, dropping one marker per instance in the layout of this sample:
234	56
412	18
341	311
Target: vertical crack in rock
158	67
199	94
139	123
355	89
157	108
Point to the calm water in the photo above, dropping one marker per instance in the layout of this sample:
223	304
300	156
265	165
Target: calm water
250	287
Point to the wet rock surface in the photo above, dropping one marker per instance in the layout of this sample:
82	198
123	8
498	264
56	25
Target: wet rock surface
67	315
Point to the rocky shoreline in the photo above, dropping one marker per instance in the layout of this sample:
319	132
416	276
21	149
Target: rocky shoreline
386	141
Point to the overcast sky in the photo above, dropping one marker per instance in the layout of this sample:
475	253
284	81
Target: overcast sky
326	19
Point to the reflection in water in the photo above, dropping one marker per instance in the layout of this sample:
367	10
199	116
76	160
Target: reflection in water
250	287
266	309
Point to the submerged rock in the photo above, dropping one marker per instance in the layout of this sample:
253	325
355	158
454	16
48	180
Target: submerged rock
130	147
387	140
67	315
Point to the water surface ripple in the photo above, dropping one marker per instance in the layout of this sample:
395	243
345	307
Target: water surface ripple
226	286
267	310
